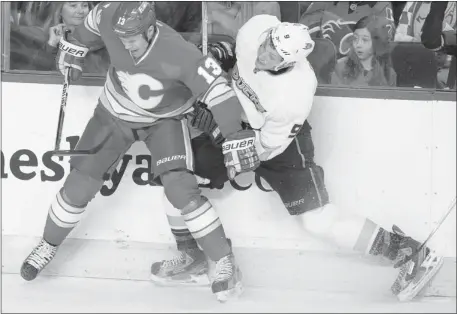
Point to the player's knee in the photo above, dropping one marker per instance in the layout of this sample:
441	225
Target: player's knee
345	229
79	188
181	188
173	214
320	222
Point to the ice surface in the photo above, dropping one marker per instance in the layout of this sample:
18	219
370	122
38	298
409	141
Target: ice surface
52	294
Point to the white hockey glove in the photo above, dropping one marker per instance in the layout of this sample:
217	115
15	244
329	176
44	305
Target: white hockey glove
70	56
239	152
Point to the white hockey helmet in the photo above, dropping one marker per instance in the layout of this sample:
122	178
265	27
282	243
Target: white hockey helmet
292	41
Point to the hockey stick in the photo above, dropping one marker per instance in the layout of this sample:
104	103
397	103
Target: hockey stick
63	106
204	28
451	207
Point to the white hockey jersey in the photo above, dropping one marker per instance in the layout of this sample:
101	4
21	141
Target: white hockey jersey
276	106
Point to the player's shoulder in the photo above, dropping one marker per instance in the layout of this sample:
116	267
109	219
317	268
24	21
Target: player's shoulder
166	30
173	50
105	11
170	39
99	19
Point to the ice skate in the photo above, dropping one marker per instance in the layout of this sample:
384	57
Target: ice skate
37	260
227	279
417	268
187	268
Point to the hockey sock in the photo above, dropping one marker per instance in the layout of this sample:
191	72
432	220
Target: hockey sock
62	218
206	228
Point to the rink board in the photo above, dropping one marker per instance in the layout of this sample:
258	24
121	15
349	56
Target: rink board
391	160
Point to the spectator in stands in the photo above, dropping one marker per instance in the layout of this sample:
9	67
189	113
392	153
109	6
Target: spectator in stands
227	17
334	20
66	16
36	29
368	61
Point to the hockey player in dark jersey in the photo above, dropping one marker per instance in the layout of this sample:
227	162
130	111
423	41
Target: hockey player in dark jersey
154	78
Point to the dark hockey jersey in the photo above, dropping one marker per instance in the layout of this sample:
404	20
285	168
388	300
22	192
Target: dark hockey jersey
163	83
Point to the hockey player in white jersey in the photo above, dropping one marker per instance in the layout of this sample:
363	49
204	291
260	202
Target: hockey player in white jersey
275	85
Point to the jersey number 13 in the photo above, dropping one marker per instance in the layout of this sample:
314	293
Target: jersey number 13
210	71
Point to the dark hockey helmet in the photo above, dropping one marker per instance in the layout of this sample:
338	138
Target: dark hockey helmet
133	18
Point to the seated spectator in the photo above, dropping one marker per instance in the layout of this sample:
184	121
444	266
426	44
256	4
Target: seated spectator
368	61
40	36
227	17
334	20
66	16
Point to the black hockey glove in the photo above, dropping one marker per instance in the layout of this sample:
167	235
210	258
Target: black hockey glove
202	119
223	52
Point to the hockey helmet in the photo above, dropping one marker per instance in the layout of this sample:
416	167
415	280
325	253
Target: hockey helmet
292	41
133	18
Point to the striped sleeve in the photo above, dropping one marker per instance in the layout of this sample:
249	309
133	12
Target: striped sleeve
92	20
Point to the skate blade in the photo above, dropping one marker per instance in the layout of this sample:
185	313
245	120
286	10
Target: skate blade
189	280
233	293
413	289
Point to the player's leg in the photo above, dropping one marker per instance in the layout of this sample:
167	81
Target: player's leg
300	184
80	187
171	150
190	265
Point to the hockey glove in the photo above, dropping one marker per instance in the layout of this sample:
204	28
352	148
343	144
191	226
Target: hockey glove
70	56
223	52
203	120
239	152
